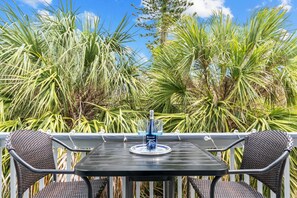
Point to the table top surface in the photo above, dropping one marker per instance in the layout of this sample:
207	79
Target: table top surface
114	159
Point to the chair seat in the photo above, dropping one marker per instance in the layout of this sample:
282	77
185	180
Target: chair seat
224	189
77	189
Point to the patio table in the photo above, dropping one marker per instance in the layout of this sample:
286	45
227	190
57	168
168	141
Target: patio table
185	159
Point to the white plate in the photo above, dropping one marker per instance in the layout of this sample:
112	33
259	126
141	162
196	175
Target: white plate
141	149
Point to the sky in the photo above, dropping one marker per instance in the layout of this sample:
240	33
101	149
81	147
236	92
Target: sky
111	12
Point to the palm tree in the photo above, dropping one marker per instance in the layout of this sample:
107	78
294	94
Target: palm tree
219	76
58	76
59	73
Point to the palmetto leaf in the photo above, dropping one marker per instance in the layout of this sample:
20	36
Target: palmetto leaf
49	65
49	120
60	73
219	73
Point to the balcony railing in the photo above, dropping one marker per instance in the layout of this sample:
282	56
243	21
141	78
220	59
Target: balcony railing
90	140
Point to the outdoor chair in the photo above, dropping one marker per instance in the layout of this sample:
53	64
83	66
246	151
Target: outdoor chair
264	158
32	153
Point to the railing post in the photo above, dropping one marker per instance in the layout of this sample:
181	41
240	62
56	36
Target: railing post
138	189
179	187
26	194
219	155
110	187
232	163
12	179
287	188
83	154
164	189
196	138
192	192
260	187
124	187
151	189
69	161
272	194
55	156
41	184
246	178
1	173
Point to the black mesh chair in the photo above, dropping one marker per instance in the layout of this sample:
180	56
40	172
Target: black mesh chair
264	158
33	158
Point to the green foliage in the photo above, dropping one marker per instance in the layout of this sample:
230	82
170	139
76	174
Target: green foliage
223	77
59	73
52	71
216	76
158	16
212	76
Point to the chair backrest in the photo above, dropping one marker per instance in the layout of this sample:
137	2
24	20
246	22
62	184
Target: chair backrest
35	148
260	150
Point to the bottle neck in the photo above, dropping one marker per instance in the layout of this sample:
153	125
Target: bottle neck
151	114
151	124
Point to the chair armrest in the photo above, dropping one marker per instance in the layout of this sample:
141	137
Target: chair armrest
69	148
37	170
261	170
227	147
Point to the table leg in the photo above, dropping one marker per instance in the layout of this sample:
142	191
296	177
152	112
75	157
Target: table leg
169	188
129	188
89	186
212	186
109	185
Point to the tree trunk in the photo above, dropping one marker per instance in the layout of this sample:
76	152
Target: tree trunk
163	35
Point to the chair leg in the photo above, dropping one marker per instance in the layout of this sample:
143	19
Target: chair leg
212	186
89	186
129	188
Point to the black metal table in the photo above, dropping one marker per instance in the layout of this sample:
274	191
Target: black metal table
114	159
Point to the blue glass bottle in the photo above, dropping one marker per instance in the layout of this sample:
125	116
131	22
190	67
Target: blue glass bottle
151	139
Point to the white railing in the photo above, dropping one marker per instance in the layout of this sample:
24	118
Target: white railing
90	140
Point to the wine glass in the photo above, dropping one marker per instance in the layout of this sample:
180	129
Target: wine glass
158	127
142	126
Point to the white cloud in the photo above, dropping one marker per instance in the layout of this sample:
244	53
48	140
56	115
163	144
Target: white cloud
285	34
205	8
142	59
286	4
35	3
88	17
260	5
129	50
45	15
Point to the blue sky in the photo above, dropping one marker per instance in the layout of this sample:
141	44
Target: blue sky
111	12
